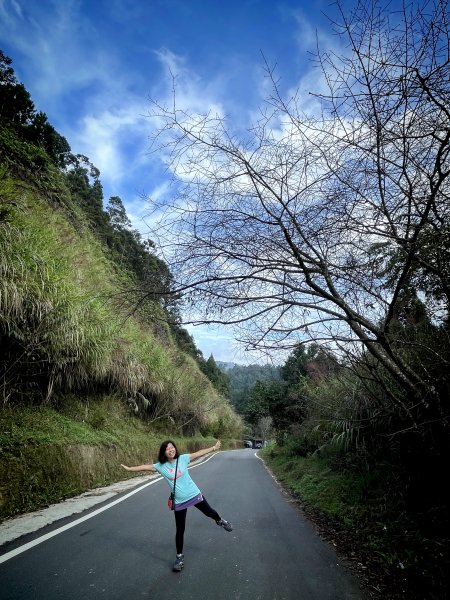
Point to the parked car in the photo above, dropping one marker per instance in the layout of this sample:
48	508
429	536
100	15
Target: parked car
253	443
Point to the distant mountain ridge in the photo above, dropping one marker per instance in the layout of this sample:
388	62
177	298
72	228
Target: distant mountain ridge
225	366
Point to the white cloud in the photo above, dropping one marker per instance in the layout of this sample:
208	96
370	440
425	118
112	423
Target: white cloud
161	191
103	137
223	346
191	92
306	34
69	64
307	79
64	53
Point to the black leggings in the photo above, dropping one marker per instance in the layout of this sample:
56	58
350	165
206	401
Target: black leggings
180	521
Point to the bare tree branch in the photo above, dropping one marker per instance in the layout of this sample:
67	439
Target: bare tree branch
312	226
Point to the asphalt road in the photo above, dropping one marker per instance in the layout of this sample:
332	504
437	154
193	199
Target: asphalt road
126	552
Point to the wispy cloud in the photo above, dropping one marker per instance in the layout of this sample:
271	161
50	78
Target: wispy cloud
9	11
107	136
182	84
52	46
89	95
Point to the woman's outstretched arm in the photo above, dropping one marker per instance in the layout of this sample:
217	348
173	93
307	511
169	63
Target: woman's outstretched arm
199	453
140	468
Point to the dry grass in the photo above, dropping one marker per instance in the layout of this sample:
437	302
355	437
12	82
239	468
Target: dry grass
64	331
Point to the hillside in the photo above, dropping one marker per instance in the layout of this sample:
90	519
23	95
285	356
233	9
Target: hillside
93	361
69	322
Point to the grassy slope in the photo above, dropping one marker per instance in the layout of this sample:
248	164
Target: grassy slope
73	355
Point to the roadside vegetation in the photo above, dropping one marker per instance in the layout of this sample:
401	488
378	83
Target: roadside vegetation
52	453
362	512
378	498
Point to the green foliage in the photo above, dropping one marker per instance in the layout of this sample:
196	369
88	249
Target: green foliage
21	157
52	333
348	450
6	71
65	299
113	228
83	181
117	214
261	400
243	378
295	366
48	454
67	334
217	377
185	341
17	111
335	492
87	375
368	508
281	394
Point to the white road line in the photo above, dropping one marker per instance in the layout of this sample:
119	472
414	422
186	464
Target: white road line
8	555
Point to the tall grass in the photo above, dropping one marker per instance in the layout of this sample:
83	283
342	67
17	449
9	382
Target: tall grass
63	330
84	384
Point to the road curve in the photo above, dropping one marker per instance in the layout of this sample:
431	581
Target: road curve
126	552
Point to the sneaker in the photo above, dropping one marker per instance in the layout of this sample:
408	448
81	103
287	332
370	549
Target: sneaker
225	524
179	563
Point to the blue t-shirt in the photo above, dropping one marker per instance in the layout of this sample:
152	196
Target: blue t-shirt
185	488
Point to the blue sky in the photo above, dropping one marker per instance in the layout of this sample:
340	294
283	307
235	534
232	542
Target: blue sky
92	67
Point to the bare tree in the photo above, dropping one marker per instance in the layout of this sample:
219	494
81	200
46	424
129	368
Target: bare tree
265	428
313	224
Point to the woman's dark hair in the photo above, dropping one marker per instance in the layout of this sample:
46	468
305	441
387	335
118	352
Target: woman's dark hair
162	458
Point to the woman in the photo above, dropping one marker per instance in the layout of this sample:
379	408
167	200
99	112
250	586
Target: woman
186	492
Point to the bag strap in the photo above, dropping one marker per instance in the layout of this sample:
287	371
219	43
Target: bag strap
175	479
